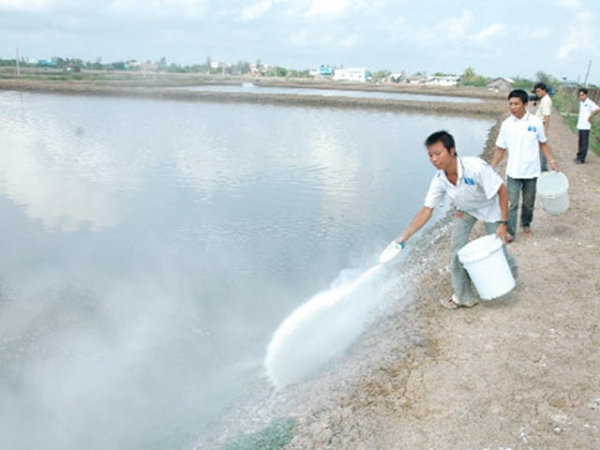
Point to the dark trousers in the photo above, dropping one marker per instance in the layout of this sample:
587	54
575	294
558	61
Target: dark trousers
584	143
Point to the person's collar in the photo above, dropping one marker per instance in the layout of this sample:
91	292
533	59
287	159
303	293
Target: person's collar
525	116
459	168
459	171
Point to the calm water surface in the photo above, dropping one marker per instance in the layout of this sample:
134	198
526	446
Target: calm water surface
151	248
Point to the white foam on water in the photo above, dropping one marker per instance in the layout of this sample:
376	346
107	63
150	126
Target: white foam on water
322	328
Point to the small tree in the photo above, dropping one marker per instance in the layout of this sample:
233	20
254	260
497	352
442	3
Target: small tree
243	67
381	75
544	77
277	72
470	78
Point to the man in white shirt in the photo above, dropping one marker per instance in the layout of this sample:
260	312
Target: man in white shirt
478	193
522	135
543	111
587	110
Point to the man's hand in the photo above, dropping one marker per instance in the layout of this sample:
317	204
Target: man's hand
502	232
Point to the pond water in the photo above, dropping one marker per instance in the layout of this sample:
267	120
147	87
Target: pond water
151	248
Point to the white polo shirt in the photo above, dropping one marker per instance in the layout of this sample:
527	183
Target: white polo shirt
545	107
521	138
475	191
585	110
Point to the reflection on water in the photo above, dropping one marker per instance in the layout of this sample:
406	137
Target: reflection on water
150	249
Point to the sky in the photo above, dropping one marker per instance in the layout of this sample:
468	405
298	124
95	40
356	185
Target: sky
506	38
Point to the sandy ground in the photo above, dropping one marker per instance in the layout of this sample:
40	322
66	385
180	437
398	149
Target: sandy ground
519	372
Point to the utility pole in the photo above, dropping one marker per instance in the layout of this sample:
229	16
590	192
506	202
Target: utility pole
18	68
587	73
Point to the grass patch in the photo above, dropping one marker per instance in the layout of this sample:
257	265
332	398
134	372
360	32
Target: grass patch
275	436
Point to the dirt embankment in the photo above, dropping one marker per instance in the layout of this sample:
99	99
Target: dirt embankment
166	88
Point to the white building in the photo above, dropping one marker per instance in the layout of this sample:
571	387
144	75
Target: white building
500	85
439	80
358	74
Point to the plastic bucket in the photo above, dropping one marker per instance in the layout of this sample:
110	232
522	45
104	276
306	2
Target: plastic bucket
553	189
486	264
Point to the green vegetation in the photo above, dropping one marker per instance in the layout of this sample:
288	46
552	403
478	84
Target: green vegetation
207	68
380	75
273	437
470	78
58	68
282	72
527	85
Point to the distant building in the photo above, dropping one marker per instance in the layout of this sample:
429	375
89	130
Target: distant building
47	63
569	83
358	74
220	65
142	66
322	72
443	80
75	68
500	85
417	79
398	77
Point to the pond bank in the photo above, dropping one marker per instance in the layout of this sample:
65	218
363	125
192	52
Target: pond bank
491	106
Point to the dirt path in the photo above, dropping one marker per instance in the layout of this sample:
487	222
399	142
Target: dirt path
520	372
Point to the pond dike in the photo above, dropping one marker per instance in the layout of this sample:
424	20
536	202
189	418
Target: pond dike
492	104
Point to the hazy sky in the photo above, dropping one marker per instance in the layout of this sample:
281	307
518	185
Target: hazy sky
496	38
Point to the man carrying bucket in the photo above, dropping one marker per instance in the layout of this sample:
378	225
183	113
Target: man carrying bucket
478	193
522	135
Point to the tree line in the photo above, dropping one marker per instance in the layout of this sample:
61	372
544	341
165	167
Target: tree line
468	78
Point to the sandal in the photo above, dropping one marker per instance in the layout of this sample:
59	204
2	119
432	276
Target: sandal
449	303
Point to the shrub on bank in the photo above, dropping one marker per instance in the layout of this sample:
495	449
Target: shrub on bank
275	436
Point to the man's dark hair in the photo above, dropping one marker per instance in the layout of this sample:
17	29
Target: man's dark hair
519	93
541	86
584	90
441	136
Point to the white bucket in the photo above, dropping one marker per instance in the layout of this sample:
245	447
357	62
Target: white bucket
486	264
553	189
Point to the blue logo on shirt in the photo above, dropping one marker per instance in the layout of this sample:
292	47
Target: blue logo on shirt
469	181
531	128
